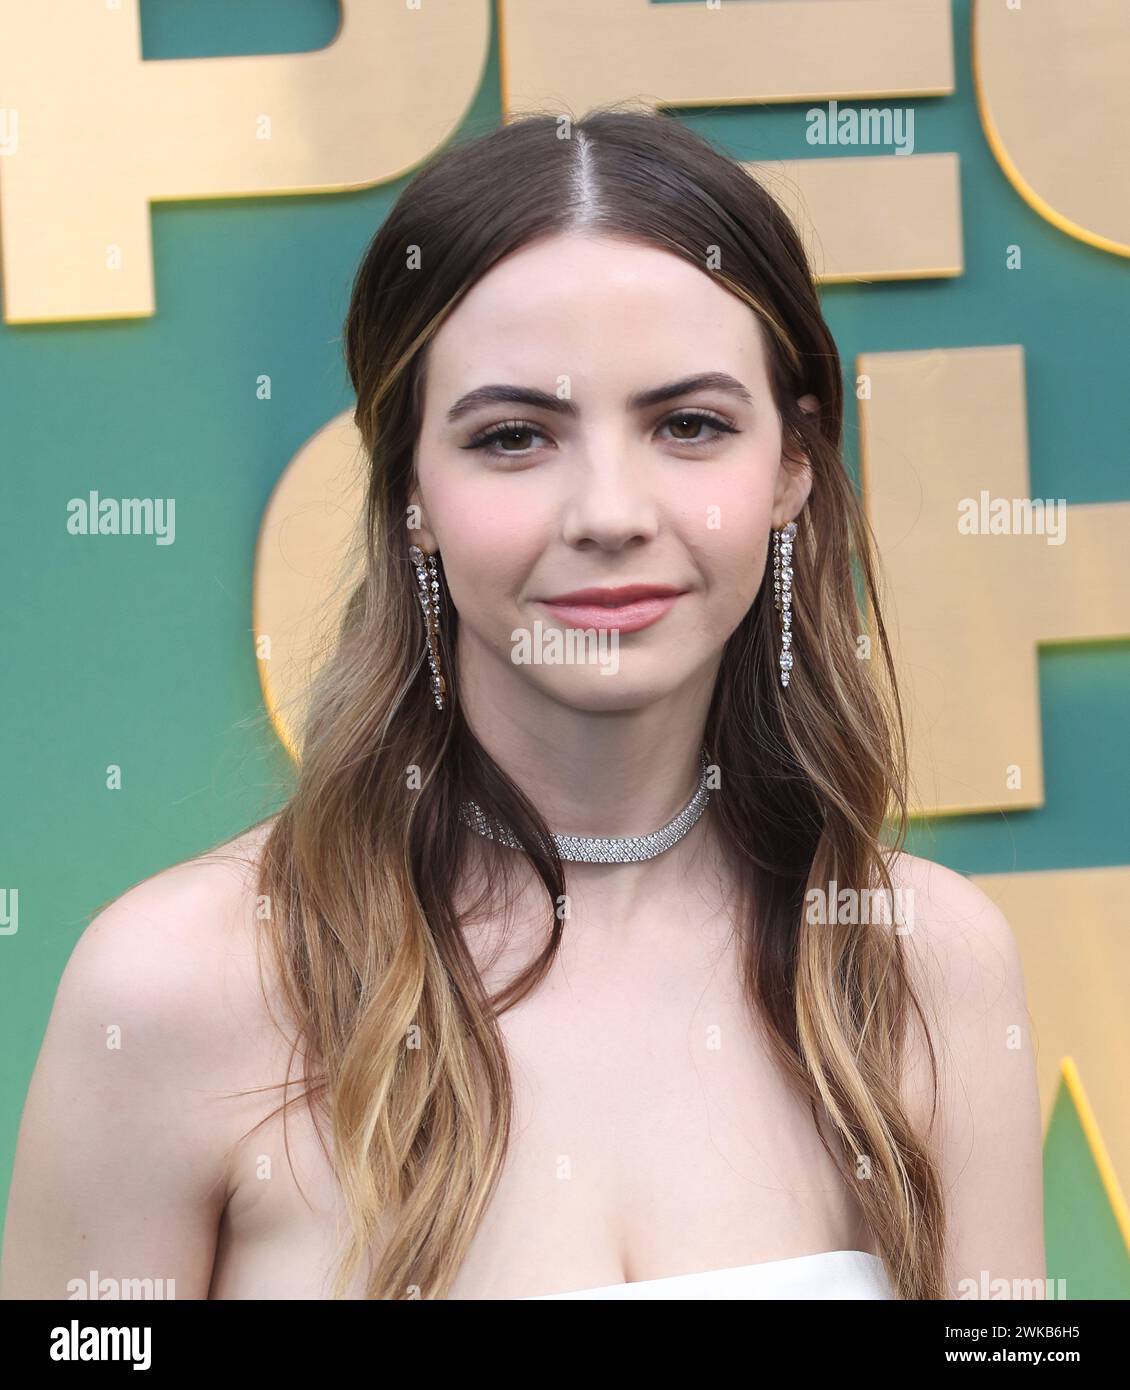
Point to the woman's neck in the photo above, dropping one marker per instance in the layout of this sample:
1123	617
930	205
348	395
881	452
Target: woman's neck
593	772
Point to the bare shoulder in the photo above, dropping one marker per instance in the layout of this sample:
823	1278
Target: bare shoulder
962	961
168	975
140	1093
178	947
960	947
169	902
965	967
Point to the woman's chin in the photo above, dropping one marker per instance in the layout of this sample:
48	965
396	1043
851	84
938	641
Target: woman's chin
630	684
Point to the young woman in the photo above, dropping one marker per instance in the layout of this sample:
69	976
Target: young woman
537	941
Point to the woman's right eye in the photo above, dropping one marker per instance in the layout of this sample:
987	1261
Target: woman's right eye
511	432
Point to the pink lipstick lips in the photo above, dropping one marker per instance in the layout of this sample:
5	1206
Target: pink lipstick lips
627	608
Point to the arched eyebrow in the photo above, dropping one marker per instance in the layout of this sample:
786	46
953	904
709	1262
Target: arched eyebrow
639	400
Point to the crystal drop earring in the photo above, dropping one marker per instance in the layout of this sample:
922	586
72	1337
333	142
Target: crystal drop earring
427	581
783	594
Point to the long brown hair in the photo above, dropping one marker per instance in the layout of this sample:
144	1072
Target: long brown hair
402	1051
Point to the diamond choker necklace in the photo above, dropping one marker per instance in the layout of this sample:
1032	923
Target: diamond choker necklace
586	849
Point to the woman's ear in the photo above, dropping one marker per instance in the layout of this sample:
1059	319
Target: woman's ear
794	477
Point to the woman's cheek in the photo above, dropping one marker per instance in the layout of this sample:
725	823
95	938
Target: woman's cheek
488	546
484	519
739	514
732	556
483	528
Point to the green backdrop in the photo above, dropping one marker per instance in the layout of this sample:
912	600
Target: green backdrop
142	655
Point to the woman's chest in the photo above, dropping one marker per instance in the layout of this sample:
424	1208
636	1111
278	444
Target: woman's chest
652	1135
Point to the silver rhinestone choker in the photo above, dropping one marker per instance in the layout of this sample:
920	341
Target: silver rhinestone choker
587	849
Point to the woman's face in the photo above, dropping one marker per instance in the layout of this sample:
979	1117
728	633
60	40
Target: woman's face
566	445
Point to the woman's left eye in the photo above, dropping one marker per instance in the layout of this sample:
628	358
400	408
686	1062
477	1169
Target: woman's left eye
694	420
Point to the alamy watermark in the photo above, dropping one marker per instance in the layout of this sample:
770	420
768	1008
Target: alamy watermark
77	1343
94	515
1013	516
572	646
93	1285
836	906
986	1286
874	125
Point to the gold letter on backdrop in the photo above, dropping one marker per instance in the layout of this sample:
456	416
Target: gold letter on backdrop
95	134
878	217
1053	87
944	448
1070	926
589	52
882	217
305	563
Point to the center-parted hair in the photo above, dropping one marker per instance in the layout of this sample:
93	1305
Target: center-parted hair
404	1065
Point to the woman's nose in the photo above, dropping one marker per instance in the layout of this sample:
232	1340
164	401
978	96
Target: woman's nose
611	500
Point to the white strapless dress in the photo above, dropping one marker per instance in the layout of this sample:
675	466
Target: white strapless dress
835	1274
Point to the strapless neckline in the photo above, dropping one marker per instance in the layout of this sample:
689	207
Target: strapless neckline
829	1274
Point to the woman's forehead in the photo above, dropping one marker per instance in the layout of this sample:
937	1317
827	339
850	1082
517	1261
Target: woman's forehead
597	309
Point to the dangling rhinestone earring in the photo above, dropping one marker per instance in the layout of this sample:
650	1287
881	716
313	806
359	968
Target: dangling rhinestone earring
783	594
428	583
